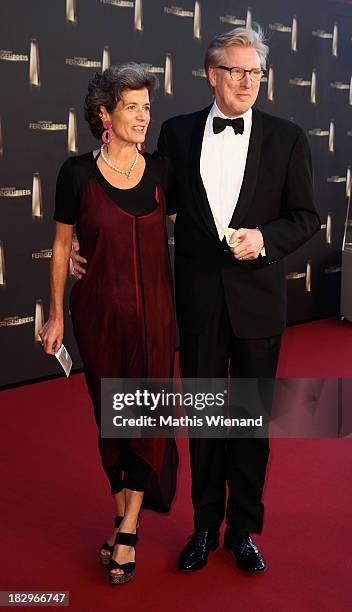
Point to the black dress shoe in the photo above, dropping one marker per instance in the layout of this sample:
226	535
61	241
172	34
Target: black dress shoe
195	554
248	557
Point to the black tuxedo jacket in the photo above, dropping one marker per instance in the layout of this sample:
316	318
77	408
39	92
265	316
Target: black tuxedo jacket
276	196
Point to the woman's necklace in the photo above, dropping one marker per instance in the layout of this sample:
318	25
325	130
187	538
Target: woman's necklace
127	173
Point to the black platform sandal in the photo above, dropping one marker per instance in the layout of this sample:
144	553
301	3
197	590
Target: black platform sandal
127	539
105	559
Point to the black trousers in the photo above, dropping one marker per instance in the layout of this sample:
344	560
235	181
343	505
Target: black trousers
239	462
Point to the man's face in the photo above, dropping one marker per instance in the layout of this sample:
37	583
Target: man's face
235	97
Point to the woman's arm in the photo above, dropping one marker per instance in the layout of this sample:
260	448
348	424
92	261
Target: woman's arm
53	330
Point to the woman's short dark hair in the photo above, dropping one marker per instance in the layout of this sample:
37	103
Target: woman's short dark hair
105	89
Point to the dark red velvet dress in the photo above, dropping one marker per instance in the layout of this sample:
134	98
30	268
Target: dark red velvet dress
123	314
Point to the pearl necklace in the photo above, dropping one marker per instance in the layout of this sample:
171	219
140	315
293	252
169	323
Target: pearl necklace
127	173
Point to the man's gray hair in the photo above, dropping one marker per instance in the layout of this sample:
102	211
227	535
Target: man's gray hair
242	37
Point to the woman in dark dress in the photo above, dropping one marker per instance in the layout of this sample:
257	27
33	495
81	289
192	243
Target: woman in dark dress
122	309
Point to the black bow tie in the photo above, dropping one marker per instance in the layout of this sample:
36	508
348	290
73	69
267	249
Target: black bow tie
219	124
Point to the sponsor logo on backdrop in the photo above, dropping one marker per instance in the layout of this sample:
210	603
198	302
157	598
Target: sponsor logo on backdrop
2	266
72	132
197	20
118	3
168	85
71	11
15	321
328	228
43	254
330	133
199	72
343	87
38	319
329	36
307	275
270	90
280	27
10	56
336	179
138	15
312	83
1	142
154	69
236	21
13	192
82	62
106	59
177	11
37	197
348	181
34	69
47	126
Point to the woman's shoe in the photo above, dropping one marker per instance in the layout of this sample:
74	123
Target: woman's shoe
127	539
106	548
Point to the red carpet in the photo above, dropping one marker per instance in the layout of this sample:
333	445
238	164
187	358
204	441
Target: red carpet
55	509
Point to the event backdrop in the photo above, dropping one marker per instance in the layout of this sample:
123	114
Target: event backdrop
49	49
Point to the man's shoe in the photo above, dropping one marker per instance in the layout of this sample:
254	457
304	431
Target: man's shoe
195	554
248	557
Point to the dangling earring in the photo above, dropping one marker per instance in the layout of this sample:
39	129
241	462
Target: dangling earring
107	134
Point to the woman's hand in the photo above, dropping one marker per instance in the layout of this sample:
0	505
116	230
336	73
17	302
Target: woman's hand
76	259
52	334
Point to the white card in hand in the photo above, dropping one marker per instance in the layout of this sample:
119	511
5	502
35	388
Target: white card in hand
228	233
64	359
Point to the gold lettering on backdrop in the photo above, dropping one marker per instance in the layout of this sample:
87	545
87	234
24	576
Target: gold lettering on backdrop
15	321
154	69
43	254
10	56
12	192
47	126
232	20
82	62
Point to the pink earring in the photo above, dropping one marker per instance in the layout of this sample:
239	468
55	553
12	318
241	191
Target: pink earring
107	134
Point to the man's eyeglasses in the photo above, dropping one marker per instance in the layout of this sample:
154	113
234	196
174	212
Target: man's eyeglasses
237	74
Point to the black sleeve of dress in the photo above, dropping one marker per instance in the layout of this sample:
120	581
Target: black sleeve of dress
67	194
166	178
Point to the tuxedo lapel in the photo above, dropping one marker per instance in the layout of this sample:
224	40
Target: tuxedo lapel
249	182
198	189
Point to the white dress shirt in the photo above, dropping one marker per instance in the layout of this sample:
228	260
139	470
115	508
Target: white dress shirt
222	165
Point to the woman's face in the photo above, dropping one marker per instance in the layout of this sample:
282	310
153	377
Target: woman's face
131	117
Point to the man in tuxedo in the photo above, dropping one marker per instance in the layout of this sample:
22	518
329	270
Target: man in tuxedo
235	167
